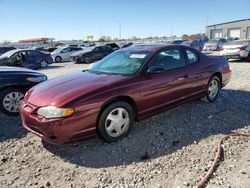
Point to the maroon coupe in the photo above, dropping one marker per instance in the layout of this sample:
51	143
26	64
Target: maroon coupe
128	85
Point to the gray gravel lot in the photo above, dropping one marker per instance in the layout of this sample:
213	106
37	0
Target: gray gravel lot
172	149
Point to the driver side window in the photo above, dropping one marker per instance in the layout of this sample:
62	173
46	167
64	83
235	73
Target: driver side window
169	59
66	50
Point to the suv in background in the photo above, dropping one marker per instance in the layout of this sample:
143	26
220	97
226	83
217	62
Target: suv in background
6	49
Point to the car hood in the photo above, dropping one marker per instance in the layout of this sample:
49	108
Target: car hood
63	90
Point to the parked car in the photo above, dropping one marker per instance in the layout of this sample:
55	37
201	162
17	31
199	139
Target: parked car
177	41
129	84
64	53
26	58
49	50
214	44
127	45
39	48
14	82
6	49
114	46
194	44
91	54
238	49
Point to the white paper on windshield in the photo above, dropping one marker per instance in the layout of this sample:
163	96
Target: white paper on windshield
138	56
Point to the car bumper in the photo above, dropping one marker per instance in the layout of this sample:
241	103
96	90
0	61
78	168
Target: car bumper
61	130
208	48
236	55
76	59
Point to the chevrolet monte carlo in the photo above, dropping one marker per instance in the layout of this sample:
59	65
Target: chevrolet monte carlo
126	86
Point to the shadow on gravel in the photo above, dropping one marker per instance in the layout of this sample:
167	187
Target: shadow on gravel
238	61
163	134
10	127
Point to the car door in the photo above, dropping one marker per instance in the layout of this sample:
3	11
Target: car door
65	53
165	82
97	53
33	59
196	75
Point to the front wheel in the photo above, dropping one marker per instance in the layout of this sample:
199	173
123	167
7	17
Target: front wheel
115	122
213	89
10	99
58	59
87	59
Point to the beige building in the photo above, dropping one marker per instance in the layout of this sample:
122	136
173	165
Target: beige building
234	29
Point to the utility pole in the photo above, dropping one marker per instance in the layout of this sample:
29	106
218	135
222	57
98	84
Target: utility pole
120	31
207	20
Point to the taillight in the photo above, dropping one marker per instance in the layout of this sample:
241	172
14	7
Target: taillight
242	48
221	49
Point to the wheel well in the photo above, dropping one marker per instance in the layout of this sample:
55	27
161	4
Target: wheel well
220	77
13	86
127	99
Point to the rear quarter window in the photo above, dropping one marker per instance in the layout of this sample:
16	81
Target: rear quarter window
192	56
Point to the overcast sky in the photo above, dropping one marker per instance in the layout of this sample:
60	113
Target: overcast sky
75	19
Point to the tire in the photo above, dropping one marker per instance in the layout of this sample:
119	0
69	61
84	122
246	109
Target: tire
122	115
248	57
87	60
9	100
213	89
58	59
43	64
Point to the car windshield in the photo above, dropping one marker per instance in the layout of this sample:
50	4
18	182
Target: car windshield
120	63
58	50
8	54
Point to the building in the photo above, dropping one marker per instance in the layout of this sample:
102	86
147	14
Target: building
234	29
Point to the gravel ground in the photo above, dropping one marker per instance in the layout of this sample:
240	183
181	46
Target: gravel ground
172	149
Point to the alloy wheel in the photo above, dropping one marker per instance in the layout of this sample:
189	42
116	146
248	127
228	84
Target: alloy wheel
11	101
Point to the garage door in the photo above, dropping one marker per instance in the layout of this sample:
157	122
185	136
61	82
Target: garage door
248	33
234	33
216	33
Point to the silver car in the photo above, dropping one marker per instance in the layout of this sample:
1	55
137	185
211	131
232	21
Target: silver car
238	49
214	44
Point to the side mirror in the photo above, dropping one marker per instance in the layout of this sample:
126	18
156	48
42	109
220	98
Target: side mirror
155	70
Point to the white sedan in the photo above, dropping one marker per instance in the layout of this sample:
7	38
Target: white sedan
64	53
238	49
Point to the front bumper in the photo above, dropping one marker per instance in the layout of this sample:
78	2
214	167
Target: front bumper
76	59
61	130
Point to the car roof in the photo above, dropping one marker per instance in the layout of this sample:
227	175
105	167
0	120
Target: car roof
149	47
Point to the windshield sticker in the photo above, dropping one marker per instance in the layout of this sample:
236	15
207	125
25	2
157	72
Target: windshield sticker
138	56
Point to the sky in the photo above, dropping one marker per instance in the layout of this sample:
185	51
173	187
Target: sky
75	19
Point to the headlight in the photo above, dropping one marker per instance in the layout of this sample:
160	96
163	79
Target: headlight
54	112
37	79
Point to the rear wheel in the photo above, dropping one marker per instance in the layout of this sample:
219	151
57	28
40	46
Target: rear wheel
213	89
115	122
10	99
58	59
43	64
